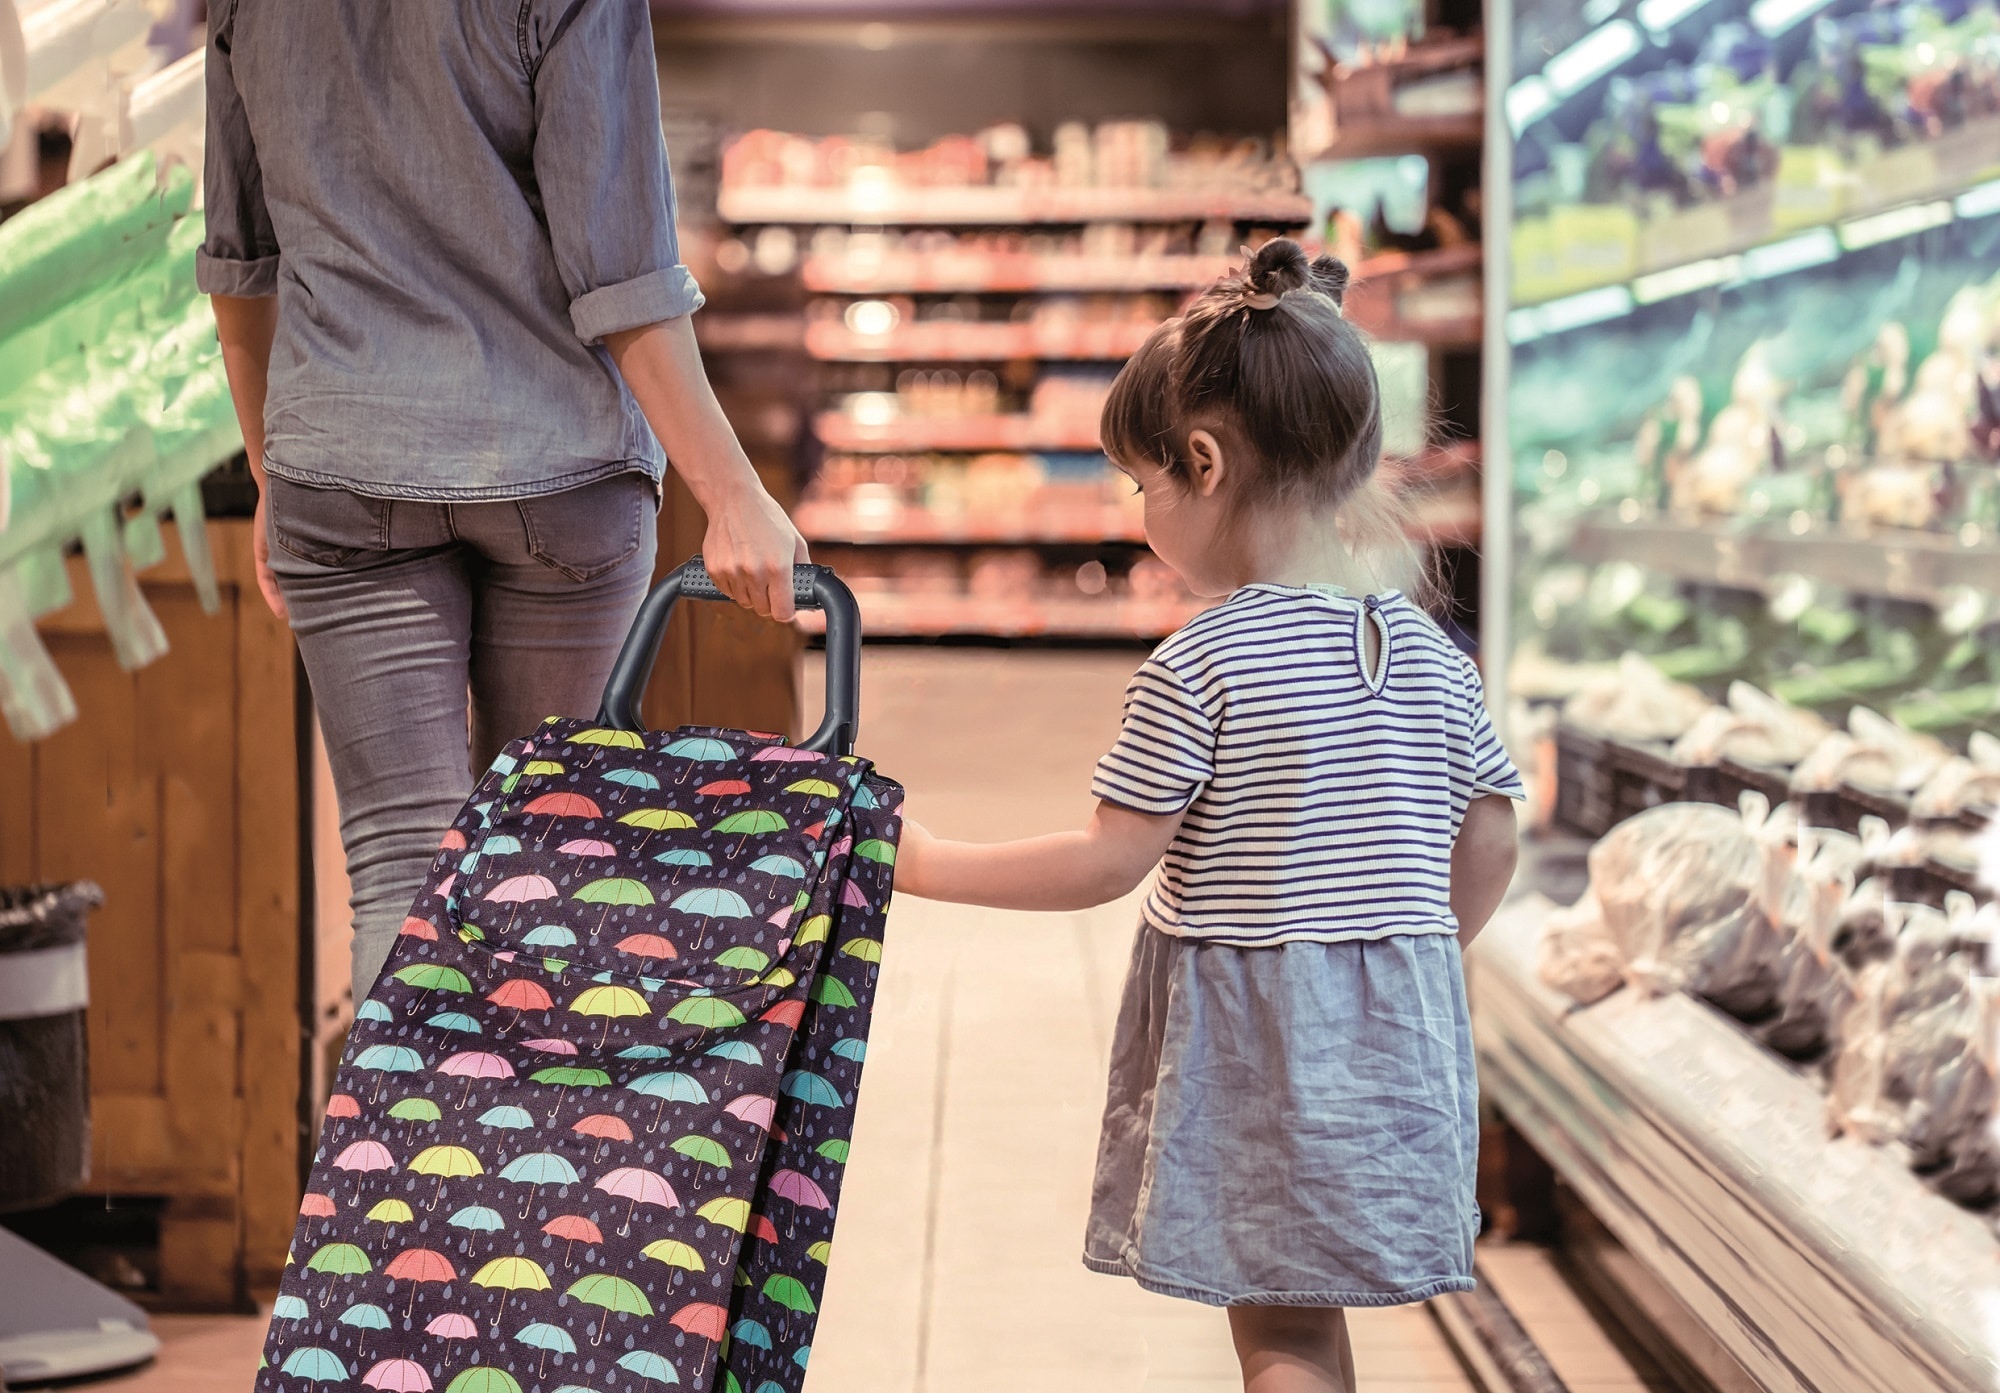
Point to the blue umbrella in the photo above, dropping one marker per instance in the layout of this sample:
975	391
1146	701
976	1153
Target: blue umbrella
364	1318
505	764
315	1365
469	862
646	1364
781	867
500	844
742	1051
850	1047
645	1052
372	1010
811	1088
751	1332
456	1020
290	1308
682	858
549	936
701	748
478	1218
668	1087
801	1354
549	1339
506	1115
864	799
388	1059
632	778
536	1169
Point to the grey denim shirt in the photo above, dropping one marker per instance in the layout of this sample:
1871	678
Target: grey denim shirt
454	202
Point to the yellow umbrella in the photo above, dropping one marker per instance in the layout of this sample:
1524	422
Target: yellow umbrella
446	1163
391	1212
612	1003
510	1274
814	930
729	1212
621	739
674	1253
656	820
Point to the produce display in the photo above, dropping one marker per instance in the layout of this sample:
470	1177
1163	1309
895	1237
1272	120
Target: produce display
113	405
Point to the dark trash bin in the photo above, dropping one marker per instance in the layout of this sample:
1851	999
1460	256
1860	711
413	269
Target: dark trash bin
44	1065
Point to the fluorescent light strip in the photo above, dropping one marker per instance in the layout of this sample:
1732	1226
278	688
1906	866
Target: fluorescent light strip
1773	17
1592	56
1814	248
1523	325
1591	307
1657	16
1897	222
1980	201
1528	101
1681	280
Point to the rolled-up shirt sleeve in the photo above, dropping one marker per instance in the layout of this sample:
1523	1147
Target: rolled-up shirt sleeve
239	254
601	164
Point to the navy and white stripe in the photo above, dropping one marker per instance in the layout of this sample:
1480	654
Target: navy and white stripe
1320	804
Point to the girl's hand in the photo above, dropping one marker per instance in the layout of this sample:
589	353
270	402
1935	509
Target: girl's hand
913	861
1102	861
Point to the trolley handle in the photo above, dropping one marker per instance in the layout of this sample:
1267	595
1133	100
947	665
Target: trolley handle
813	587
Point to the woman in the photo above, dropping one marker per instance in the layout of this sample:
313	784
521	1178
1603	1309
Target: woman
441	249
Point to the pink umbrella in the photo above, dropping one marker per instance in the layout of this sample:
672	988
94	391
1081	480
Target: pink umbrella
318	1207
851	896
505	955
640	1187
842	847
444	886
799	1189
753	1108
519	890
562	1047
453	1325
398	1376
473	1064
364	1156
585	846
419	928
783	754
454	840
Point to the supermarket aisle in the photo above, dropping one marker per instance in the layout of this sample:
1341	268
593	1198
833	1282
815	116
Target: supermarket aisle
963	1215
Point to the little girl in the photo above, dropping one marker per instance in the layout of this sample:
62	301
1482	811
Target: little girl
1291	1124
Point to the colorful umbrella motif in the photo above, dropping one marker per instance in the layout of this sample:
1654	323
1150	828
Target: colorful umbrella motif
703	1151
752	1333
314	1365
812	1088
814	788
799	1189
614	739
509	1274
668	1087
549	1339
478	1218
446	1163
562	804
753	1108
706	1321
790	1293
519	994
727	1211
387	1059
413	1111
673	1253
338	1260
391	1211
483	1380
587	846
656	820
519	890
705	1012
290	1307
640	1187
472	1065
617	1296
683	858
849	1047
548	936
507	1116
364	1317
785	754
637	779
342	1105
646	947
613	892
648	1365
829	990
834	1149
566	1077
414	927
735	1051
453	1325
723	788
398	1376
752	822
538	1169
645	1052
605	1127
318	1206
786	1013
565	1048
821	1252
814	930
573	1229
415	1265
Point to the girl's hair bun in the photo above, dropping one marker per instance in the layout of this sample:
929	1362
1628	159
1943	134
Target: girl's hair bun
1281	265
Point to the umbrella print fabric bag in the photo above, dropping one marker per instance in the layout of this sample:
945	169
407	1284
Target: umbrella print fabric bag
589	1129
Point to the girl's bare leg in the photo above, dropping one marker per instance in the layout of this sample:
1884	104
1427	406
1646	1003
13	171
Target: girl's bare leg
1293	1349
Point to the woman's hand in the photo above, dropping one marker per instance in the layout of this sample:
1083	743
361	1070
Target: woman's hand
751	545
260	551
750	549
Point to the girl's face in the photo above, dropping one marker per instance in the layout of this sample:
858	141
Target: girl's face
1187	525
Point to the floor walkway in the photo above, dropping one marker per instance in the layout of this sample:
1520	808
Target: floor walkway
957	1266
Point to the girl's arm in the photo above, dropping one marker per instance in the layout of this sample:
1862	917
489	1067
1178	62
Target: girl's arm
1482	863
1103	861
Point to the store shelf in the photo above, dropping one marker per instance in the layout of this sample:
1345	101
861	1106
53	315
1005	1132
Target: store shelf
1006	431
1403	135
748	333
962	273
914	525
1387	296
1908	565
990	206
1823	1266
893	615
975	342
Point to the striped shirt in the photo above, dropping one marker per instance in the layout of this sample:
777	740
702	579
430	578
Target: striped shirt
1321	800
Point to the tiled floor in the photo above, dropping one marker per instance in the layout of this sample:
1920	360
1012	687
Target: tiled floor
964	1206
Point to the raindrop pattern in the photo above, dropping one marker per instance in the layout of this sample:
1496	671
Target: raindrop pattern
589	1130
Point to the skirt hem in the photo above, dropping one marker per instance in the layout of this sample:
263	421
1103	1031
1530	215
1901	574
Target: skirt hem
1207	1296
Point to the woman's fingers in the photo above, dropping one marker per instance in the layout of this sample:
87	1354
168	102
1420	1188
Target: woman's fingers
260	553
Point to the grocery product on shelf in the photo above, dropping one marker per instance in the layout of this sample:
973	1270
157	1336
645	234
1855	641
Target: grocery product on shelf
113	405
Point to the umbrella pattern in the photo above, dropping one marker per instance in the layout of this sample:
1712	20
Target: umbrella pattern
605	1142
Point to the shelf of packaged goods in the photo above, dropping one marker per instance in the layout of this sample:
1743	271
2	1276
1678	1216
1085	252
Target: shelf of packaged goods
1369	138
975	342
1902	565
1004	431
989	206
1823	1266
892	614
976	272
1814	199
1388	298
839	521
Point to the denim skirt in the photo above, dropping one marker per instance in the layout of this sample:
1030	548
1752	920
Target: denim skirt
1291	1125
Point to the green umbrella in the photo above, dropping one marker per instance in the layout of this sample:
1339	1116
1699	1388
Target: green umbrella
432	977
750	823
744	958
657	820
729	1212
821	1252
790	1293
834	1149
674	1253
705	1151
706	1012
413	1111
480	1379
831	991
877	850
869	950
338	1260
612	1003
566	1077
616	1295
613	892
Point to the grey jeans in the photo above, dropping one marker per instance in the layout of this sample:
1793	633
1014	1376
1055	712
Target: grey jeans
403	608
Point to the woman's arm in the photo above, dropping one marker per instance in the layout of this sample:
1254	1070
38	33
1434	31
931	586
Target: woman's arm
751	545
1103	861
246	326
1482	863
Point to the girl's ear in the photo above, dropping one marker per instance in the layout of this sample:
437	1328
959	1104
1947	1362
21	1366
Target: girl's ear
1206	465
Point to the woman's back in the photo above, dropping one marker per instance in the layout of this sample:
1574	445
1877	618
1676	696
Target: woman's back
454	201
